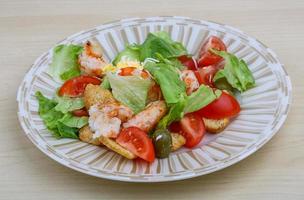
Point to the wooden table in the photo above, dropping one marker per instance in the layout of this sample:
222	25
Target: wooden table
28	28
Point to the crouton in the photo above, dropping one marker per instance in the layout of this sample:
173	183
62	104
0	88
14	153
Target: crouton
94	94
114	146
86	135
215	125
177	141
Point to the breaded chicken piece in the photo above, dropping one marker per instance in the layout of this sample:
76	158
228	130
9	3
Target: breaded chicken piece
114	146
147	119
86	135
116	109
190	80
177	141
105	119
214	125
94	94
91	60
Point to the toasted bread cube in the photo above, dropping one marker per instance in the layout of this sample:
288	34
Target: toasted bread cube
94	94
177	141
215	125
114	146
86	135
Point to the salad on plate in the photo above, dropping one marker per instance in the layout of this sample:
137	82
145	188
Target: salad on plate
150	100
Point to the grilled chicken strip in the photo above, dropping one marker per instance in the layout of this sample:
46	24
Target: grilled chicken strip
147	119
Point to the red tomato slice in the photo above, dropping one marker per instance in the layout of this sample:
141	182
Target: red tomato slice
189	62
225	106
205	75
74	87
206	57
80	112
128	71
192	127
138	142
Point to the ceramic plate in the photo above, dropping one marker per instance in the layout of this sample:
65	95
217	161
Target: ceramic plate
264	108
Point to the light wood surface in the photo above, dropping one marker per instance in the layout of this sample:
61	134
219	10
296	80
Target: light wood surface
28	28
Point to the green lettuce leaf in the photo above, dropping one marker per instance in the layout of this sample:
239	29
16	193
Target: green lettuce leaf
48	113
200	98
70	74
73	121
61	125
222	84
168	78
130	90
130	53
66	131
65	62
170	61
105	84
45	104
187	104
67	104
161	43
236	72
179	47
175	113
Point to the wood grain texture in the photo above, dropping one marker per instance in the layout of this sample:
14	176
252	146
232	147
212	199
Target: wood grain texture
28	28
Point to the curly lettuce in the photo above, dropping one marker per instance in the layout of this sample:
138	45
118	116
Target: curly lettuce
61	125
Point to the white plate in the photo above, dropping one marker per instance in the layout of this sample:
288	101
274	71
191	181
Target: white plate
264	108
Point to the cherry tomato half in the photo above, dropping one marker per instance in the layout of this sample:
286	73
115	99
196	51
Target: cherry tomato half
74	87
208	58
138	142
189	62
192	127
225	106
205	75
